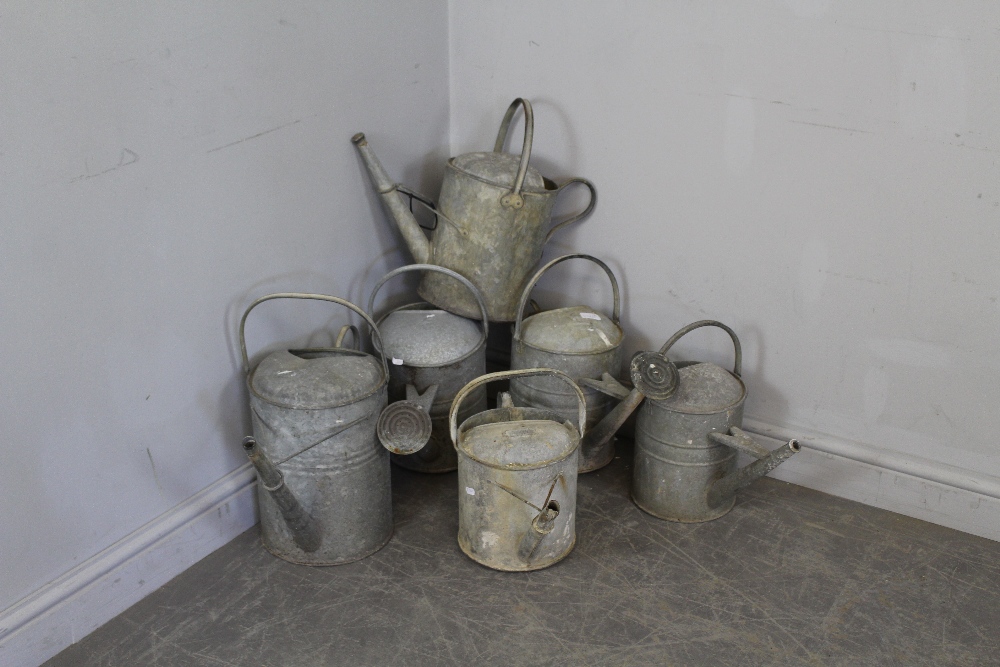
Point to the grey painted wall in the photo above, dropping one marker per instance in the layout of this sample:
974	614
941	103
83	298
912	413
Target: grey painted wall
162	165
820	175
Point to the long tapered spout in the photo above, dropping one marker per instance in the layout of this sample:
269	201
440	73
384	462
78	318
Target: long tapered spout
413	235
726	487
305	530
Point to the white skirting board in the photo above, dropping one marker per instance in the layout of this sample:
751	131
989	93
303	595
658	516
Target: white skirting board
85	598
965	500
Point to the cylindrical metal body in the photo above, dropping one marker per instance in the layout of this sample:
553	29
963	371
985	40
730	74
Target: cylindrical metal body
314	414
517	470
578	341
676	462
439	348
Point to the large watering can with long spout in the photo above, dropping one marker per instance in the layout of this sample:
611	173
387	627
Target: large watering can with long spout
493	220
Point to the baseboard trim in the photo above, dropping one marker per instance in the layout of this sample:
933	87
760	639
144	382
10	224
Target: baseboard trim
65	610
965	500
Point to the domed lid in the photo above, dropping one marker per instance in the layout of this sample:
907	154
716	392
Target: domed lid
418	335
316	379
704	388
520	444
500	169
577	330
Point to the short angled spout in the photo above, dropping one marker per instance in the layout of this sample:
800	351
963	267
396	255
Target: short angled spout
388	192
723	489
305	530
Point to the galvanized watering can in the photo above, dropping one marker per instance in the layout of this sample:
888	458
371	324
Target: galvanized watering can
517	472
433	354
495	210
686	444
323	478
578	341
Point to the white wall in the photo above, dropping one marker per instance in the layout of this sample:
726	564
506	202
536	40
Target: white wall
820	175
162	164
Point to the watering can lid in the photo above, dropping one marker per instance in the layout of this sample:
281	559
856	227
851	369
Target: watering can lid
704	388
577	329
316	379
419	335
520	444
499	169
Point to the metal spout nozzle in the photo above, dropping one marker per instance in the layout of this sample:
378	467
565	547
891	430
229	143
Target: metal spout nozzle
305	530
723	489
387	190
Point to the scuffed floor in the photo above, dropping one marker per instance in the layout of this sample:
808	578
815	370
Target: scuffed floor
789	577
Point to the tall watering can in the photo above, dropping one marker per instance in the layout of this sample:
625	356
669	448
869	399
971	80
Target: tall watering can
323	478
494	212
517	472
686	445
577	340
433	354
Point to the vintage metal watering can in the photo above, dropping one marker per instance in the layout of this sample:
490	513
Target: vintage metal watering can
686	443
517	471
433	354
578	341
323	478
493	212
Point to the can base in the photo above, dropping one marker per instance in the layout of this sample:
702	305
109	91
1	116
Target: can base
528	568
286	557
714	515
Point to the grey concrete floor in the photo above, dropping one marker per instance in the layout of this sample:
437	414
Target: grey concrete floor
789	577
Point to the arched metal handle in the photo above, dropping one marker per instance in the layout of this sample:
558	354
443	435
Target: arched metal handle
436	269
344	330
579	216
738	362
503	375
311	297
615	314
513	199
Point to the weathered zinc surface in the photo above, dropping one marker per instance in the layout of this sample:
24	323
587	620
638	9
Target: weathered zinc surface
493	219
433	353
792	577
323	478
581	342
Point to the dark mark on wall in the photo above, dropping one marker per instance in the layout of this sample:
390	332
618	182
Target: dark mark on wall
254	136
832	127
126	158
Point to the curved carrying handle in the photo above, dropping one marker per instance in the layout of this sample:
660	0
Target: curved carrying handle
579	216
436	269
311	297
503	375
615	314
342	334
737	363
513	199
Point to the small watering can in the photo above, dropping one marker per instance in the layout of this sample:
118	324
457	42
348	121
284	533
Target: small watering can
323	479
495	210
578	341
686	442
433	354
517	471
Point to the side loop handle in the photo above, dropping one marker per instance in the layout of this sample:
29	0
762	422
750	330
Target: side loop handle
503	375
513	199
737	364
311	297
579	216
436	269
615	314
344	330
